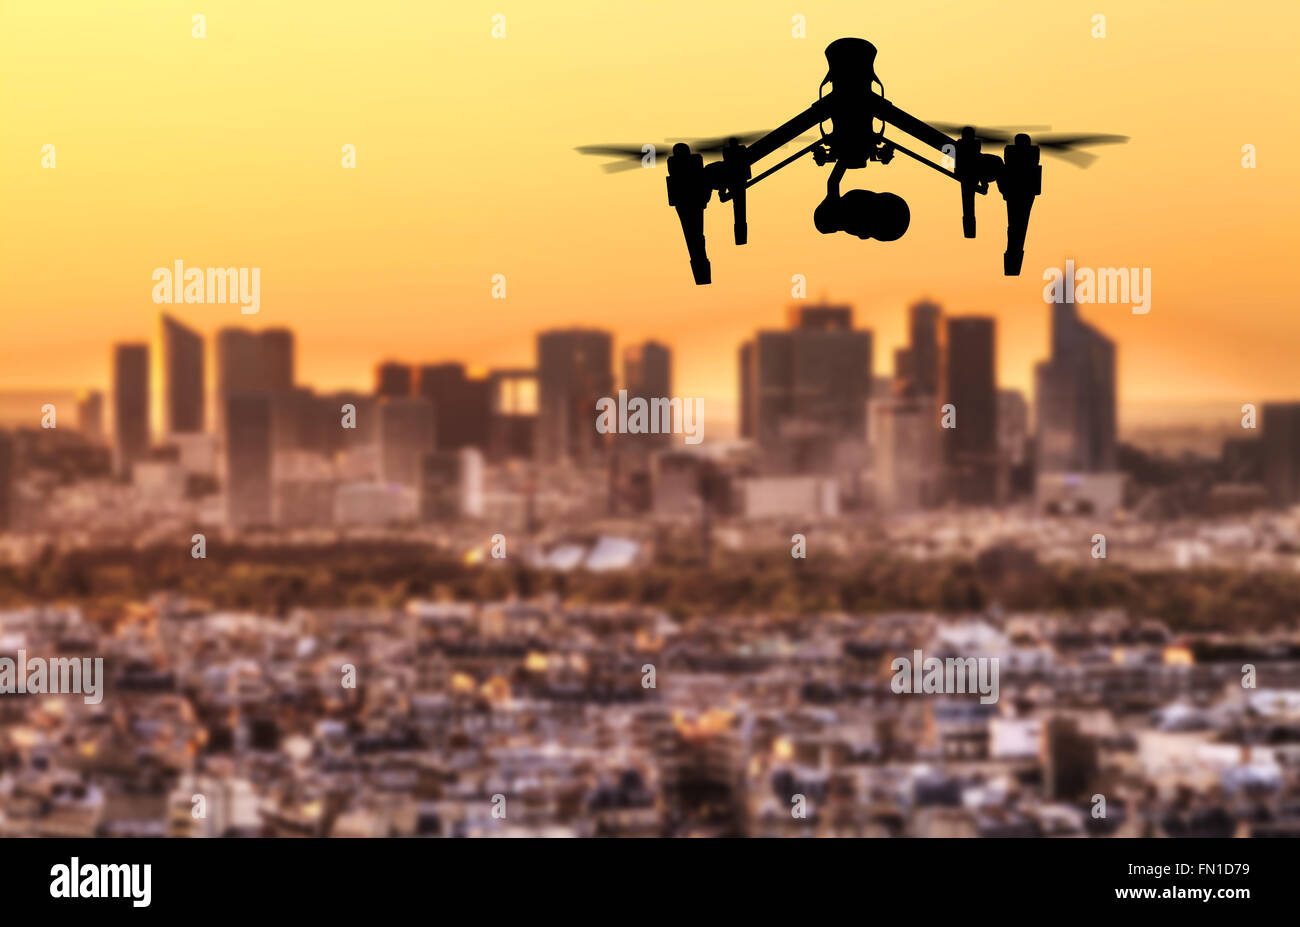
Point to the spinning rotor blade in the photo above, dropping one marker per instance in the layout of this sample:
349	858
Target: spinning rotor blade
1059	144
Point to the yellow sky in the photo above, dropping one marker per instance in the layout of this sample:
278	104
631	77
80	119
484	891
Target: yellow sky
226	150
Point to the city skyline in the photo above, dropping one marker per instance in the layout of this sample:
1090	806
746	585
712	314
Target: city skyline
401	251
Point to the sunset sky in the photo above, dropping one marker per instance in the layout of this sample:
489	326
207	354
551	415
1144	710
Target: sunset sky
226	151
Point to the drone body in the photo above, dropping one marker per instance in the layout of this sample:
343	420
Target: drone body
853	108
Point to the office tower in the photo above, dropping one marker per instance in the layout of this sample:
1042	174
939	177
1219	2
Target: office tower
748	412
648	370
254	362
1075	398
130	405
1013	426
462	405
647	374
7	468
248	459
452	485
277	357
513	404
177	389
1280	449
805	389
923	360
393	379
970	450
90	415
908	472
574	370
406	435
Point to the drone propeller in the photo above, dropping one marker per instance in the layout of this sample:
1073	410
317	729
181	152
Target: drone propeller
630	156
1062	145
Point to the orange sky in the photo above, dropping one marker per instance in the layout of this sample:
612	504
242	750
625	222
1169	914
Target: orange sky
225	151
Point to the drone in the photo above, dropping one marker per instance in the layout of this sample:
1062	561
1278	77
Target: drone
854	108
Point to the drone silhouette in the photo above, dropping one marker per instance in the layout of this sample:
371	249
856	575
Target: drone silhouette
853	108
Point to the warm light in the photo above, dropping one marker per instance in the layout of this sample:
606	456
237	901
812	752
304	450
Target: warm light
1178	656
535	662
783	748
462	683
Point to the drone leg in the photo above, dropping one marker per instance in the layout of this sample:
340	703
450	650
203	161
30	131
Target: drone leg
738	208
693	229
1017	224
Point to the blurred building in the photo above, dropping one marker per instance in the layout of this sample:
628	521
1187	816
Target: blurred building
804	390
406	435
90	415
452	485
1074	397
574	370
462	406
1280	449
248	460
393	379
970	450
919	367
908	470
6	481
1013	426
178	379
513	402
253	362
647	374
130	405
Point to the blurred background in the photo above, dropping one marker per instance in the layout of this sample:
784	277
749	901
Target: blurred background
362	564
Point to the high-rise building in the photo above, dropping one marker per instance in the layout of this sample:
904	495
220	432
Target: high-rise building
248	459
1075	398
806	388
648	375
452	485
178	380
908	471
923	359
393	379
90	415
130	405
574	370
970	450
1280	449
513	401
6	481
462	405
1013	426
254	362
406	435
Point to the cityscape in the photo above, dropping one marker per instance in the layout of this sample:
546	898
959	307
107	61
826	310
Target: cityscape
452	605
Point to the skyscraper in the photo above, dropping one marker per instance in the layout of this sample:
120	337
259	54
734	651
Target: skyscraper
406	435
257	362
806	388
462	405
970	450
574	370
178	379
647	374
6	481
393	379
922	364
1075	398
1280	439
248	459
90	415
130	405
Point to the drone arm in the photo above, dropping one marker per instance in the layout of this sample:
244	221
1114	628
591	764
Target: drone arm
784	134
922	131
